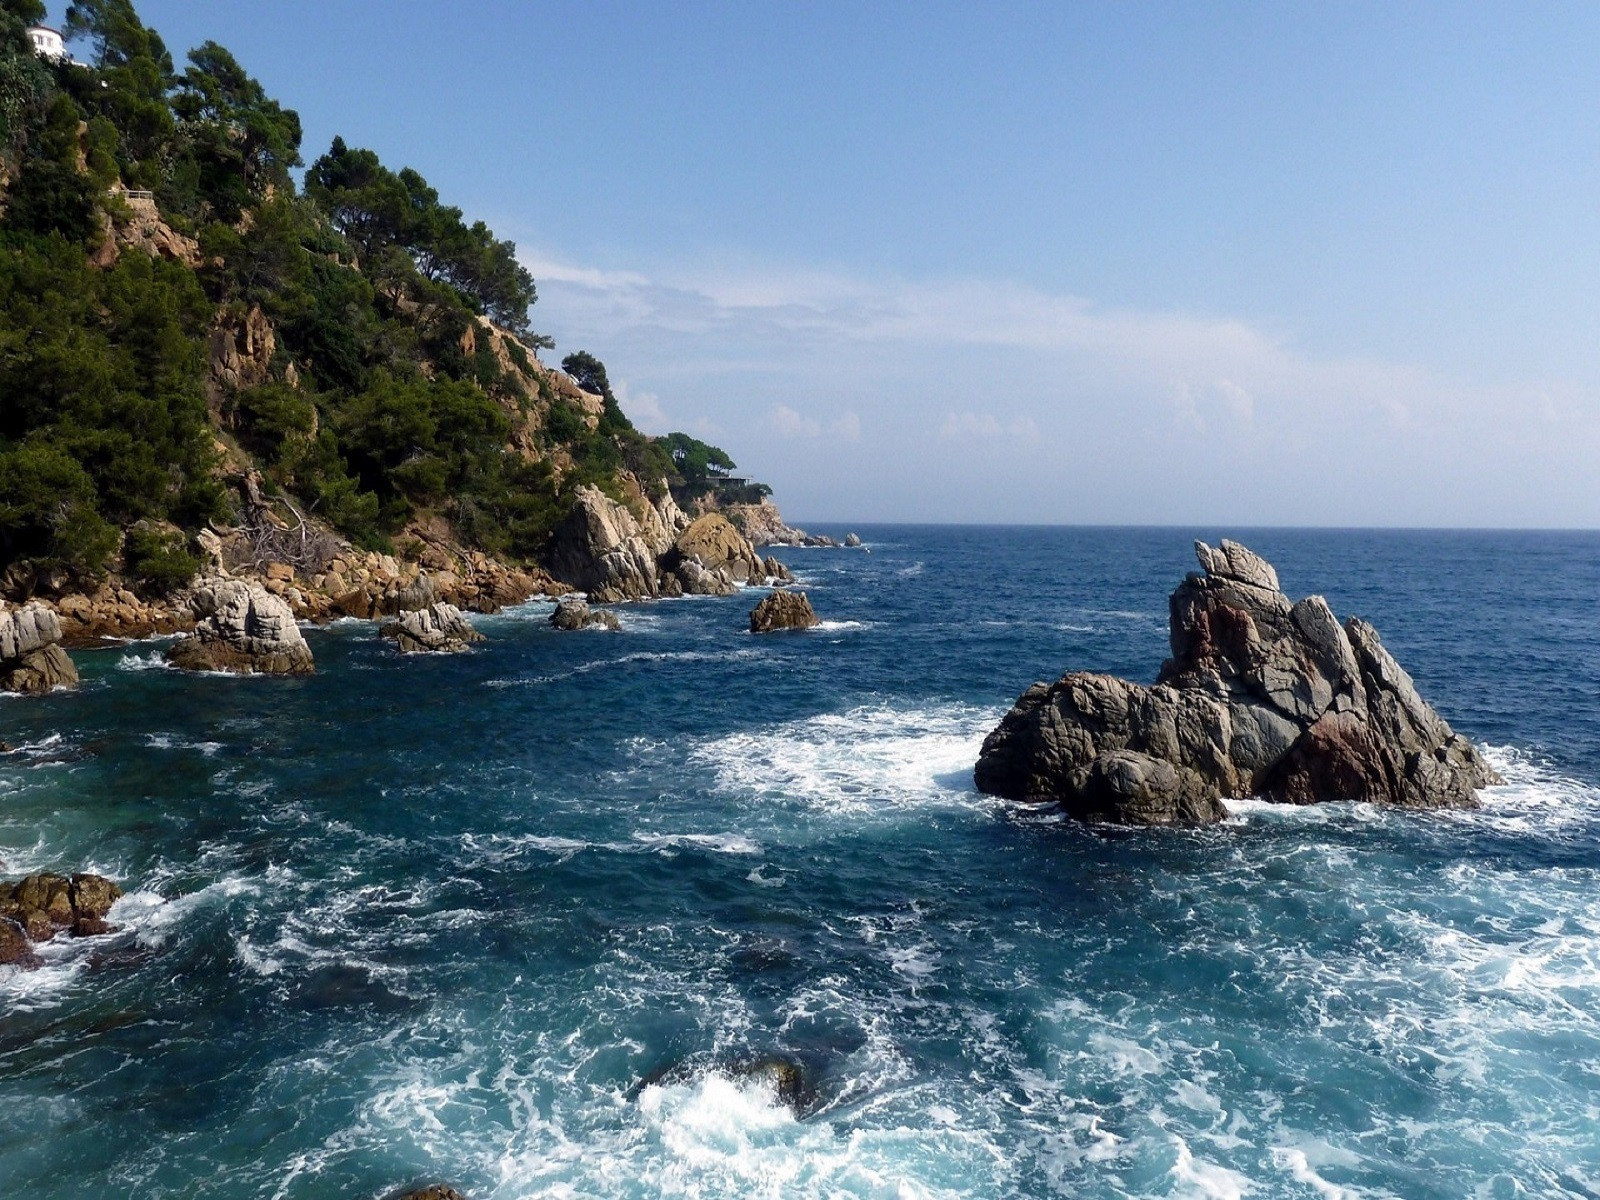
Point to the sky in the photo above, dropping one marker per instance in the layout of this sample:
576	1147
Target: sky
1250	264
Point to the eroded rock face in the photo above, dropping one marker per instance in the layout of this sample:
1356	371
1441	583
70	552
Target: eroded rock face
648	549
437	629
720	547
1261	696
31	657
601	549
572	613
783	610
35	909
242	628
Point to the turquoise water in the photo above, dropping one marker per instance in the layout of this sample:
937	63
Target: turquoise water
438	918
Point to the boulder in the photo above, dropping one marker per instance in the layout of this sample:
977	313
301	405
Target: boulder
719	546
572	613
433	1191
851	540
783	610
774	571
438	629
1261	696
31	657
36	908
244	629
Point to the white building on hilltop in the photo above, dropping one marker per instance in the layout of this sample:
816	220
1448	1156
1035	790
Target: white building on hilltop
47	42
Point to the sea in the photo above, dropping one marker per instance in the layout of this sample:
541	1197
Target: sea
524	919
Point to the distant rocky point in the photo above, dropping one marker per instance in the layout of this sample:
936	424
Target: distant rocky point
1261	697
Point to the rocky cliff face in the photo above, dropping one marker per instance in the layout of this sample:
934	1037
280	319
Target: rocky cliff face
243	628
1262	696
31	657
649	548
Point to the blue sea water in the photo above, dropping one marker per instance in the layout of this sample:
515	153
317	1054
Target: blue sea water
420	918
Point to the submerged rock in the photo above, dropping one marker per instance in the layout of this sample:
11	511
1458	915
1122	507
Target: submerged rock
433	1191
783	610
242	628
795	1084
31	657
1261	696
437	629
572	613
38	907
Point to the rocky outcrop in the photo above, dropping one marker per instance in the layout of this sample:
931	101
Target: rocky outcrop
241	353
141	228
648	548
242	628
437	629
572	613
601	549
35	909
31	657
1262	696
852	540
718	546
783	610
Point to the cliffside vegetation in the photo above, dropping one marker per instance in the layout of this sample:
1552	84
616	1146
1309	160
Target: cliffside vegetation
189	335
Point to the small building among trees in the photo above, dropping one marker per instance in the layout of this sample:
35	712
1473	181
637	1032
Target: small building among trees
47	42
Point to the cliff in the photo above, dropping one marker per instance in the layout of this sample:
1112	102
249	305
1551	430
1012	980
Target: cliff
331	387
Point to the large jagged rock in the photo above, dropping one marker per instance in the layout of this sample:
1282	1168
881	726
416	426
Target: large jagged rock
601	549
35	909
719	546
243	628
437	629
783	610
1261	696
31	657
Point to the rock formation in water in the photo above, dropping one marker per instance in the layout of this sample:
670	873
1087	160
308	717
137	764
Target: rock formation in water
438	628
1261	697
648	548
852	540
31	657
572	613
783	609
243	628
35	909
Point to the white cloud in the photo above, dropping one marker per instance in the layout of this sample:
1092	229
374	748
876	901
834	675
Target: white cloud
986	425
1124	398
787	423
